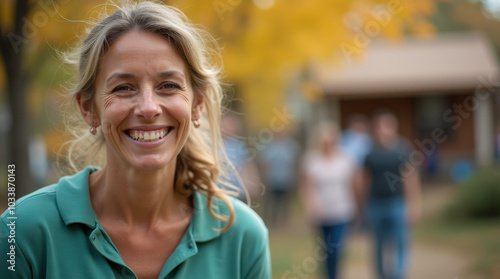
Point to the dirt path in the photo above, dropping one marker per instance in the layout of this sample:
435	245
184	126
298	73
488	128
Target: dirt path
426	261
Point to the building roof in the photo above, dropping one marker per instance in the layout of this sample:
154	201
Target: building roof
447	62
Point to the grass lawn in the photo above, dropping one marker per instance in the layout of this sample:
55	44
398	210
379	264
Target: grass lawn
293	253
293	246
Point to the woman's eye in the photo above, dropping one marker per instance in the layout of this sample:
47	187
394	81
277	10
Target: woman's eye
170	85
122	88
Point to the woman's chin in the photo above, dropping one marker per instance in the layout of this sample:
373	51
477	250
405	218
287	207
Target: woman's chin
151	164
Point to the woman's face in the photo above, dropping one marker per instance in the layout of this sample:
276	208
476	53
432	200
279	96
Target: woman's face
328	141
144	101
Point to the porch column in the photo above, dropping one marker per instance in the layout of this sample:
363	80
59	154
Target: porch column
484	133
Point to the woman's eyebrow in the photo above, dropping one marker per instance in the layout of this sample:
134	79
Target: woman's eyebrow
119	75
171	73
160	74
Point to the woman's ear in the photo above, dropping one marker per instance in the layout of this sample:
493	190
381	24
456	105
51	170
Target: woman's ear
197	106
87	110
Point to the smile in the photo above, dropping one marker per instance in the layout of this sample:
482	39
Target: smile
150	135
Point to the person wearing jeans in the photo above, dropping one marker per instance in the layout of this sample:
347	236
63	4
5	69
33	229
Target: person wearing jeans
327	191
390	196
334	236
389	225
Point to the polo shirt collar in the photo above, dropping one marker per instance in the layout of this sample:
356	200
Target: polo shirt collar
73	200
204	226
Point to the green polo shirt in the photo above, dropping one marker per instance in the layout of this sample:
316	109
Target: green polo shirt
54	233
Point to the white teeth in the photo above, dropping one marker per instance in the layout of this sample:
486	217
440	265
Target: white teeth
148	136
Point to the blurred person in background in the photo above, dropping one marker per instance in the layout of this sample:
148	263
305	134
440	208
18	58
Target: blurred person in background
279	168
39	162
356	140
327	190
242	172
391	196
154	208
497	143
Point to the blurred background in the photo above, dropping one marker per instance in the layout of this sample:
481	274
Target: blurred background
291	64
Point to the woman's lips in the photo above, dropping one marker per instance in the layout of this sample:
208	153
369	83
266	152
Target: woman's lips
148	135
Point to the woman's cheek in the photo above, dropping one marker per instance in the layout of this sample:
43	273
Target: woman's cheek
178	108
114	115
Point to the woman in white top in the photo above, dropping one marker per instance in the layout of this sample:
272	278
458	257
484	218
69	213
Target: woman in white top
326	189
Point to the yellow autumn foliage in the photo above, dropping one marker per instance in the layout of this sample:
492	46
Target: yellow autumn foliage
261	46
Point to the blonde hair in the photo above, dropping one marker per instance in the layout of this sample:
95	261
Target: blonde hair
320	130
199	164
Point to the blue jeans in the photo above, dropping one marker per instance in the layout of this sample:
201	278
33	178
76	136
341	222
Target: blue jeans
334	236
387	221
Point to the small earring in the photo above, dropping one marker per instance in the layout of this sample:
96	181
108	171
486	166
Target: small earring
196	123
93	129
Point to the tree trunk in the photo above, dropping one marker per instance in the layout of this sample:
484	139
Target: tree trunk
19	134
17	85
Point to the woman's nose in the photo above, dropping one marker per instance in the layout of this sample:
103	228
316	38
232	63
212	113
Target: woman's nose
148	105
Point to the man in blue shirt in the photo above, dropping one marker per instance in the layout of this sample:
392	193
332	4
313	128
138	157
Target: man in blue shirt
356	140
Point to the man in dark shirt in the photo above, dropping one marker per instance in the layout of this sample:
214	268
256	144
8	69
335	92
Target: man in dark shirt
392	196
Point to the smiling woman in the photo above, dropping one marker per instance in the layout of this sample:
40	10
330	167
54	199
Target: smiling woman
150	95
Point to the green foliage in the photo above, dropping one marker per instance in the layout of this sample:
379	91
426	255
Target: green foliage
479	197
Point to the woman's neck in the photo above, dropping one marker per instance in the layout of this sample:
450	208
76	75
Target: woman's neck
328	153
135	198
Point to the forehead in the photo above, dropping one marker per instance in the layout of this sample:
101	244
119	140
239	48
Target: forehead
139	51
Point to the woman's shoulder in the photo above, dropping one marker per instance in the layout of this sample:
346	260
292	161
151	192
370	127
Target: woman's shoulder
245	242
27	223
246	219
253	238
247	223
32	207
247	235
309	158
41	209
